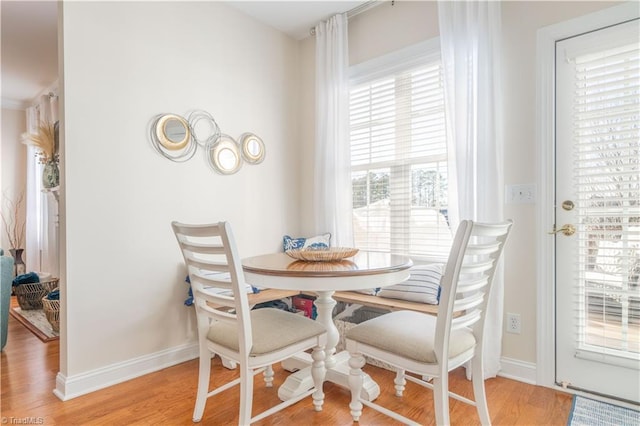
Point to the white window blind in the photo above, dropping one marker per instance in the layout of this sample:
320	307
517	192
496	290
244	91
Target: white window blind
399	160
607	185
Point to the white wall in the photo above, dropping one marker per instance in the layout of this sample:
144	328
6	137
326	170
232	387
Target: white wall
387	28
124	62
520	21
13	175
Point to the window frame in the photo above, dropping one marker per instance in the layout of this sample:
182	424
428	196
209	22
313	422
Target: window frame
403	60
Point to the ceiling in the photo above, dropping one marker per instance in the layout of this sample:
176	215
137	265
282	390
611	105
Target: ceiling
29	61
295	18
29	50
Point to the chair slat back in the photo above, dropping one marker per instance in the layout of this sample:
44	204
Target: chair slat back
216	277
466	284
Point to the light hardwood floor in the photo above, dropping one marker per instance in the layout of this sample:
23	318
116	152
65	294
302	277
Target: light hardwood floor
166	397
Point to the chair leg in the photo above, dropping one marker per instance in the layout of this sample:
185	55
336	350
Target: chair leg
204	372
318	372
441	398
356	383
479	393
399	382
246	394
268	376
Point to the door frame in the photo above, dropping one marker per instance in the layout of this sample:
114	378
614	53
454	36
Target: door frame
545	135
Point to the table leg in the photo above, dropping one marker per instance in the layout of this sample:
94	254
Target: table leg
337	364
324	305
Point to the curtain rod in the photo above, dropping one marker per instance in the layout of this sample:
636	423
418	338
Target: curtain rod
370	4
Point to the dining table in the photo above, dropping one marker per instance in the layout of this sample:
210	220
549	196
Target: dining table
365	270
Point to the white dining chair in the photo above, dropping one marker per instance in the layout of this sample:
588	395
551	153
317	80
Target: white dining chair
254	339
431	346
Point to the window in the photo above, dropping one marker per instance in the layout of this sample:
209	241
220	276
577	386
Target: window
399	154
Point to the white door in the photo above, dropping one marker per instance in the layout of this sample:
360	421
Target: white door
598	200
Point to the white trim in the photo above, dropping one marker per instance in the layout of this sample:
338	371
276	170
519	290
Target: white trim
14	104
51	88
414	55
545	126
23	105
515	369
84	383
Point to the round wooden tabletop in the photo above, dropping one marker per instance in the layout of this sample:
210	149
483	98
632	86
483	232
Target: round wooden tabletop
362	271
363	263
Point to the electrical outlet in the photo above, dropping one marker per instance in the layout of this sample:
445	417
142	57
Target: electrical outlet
513	323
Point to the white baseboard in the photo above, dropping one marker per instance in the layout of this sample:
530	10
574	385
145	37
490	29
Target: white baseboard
84	383
518	370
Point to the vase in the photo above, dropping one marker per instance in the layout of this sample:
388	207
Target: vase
50	174
18	263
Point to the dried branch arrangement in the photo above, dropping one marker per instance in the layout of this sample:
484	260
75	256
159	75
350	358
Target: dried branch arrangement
13	227
44	140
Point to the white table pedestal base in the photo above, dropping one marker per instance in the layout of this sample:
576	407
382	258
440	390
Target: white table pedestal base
368	269
301	380
296	362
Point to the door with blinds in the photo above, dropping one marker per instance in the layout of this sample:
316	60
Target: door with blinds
597	212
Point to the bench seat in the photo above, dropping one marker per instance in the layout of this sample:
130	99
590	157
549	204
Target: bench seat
350	297
384	302
353	297
265	295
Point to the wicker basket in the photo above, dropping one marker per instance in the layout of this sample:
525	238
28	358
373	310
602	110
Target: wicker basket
50	284
51	310
30	295
332	254
359	315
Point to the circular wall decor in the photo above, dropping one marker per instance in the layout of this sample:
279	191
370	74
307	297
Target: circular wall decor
253	150
224	155
204	128
173	132
171	136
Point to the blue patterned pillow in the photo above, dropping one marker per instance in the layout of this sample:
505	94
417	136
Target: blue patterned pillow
320	241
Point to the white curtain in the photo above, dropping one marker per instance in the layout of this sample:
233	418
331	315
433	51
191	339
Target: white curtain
34	197
42	207
332	182
470	43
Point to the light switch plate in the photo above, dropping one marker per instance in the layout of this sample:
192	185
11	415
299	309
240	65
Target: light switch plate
520	194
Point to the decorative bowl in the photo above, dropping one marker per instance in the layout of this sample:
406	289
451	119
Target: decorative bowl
332	254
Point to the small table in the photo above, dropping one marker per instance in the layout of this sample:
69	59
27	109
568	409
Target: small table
363	271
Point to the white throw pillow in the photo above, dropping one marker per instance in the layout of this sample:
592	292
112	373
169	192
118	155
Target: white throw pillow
422	286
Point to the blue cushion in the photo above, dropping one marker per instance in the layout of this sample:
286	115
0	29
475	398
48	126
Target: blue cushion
319	241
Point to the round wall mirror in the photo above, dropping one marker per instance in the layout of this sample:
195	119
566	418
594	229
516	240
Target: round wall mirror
252	148
224	155
173	132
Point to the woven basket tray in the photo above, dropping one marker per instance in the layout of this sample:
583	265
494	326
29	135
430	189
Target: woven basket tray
332	254
51	310
30	296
